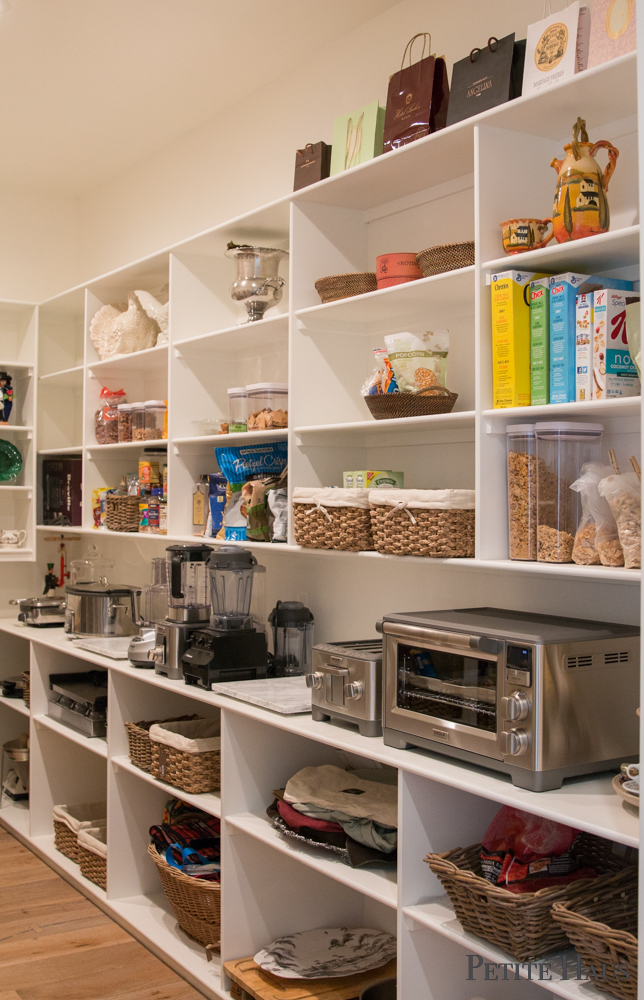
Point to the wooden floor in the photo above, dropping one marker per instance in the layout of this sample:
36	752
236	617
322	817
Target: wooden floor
56	945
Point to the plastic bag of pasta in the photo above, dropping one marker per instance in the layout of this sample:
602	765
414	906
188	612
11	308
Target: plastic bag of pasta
596	540
624	494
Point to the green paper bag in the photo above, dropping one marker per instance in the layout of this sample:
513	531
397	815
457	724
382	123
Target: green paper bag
357	137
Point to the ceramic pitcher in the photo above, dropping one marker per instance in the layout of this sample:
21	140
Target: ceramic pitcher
581	205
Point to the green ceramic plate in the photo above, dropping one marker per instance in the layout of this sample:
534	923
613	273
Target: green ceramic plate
10	461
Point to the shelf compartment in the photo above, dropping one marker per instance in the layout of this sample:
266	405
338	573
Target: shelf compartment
76	449
239	340
67	377
19	429
17	704
630	406
231	440
367	433
592	255
208	801
153	359
375	884
126	446
96	744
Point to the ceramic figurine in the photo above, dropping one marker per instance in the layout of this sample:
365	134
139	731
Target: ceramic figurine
102	333
116	330
581	205
6	397
156	311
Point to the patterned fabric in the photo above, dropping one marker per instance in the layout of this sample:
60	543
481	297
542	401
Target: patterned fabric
192	838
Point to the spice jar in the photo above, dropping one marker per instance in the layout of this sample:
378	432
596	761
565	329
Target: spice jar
522	491
138	421
125	421
155	411
562	448
237	410
267	406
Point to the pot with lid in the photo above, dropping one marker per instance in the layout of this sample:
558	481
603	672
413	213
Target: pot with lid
97	609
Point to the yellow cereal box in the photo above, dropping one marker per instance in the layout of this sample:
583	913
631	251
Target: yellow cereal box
511	337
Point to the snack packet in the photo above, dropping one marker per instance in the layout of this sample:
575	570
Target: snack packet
410	362
382	380
624	494
596	540
437	346
252	461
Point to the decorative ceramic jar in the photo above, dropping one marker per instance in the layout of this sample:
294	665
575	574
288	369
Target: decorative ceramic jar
581	205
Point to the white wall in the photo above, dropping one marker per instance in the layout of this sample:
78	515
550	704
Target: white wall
244	158
39	244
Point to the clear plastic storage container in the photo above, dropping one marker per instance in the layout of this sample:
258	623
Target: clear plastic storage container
138	421
237	410
267	406
562	448
522	491
155	410
125	421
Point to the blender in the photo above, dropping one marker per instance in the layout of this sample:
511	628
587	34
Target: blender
292	639
233	647
155	609
188	606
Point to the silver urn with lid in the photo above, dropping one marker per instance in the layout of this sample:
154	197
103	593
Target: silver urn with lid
258	285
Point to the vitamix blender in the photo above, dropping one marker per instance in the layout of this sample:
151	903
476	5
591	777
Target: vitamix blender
234	647
188	606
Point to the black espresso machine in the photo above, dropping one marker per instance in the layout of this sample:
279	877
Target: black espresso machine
231	648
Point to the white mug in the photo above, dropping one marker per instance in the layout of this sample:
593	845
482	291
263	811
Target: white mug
15	538
633	772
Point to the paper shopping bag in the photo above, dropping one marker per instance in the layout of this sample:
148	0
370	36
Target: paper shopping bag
357	137
417	98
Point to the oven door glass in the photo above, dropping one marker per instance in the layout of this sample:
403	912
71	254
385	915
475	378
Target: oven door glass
454	687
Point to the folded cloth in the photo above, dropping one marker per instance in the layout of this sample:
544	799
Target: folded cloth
334	789
189	735
351	852
296	820
374	835
94	839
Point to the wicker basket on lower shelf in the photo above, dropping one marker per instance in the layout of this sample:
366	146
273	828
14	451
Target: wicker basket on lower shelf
521	925
122	513
92	864
69	820
395	405
603	929
436	524
26	688
197	767
196	904
327	518
65	841
139	743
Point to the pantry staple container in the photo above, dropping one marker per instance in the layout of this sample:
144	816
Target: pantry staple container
267	398
292	638
237	410
138	421
125	422
563	447
522	491
155	413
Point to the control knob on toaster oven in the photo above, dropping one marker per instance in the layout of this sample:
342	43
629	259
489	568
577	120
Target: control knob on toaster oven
516	742
515	707
315	680
354	690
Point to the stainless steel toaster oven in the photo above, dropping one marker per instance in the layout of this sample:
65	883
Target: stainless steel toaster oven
539	697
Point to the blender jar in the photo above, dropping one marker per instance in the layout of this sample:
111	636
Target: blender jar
522	491
231	587
562	448
292	639
155	597
188	599
237	410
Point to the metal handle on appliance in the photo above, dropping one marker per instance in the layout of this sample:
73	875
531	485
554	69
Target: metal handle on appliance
453	639
335	671
135	595
175	576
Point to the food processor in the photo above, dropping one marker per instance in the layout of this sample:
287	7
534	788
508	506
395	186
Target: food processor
233	647
155	609
188	606
292	639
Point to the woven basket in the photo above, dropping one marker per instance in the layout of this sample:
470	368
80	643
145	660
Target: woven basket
521	925
26	688
603	930
437	534
196	904
65	841
445	257
191	772
92	866
139	742
343	286
394	405
348	529
122	513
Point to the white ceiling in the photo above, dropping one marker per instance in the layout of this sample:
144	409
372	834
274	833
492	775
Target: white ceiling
89	87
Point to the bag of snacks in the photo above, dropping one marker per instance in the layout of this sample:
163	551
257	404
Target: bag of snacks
624	494
437	346
596	539
106	418
382	380
411	362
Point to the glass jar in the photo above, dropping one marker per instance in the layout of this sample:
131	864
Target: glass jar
125	421
155	411
237	410
267	406
562	448
138	421
522	491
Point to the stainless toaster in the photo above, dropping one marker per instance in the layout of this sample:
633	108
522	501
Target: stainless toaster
346	683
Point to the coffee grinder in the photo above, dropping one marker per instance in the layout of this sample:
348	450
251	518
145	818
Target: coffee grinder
233	647
188	607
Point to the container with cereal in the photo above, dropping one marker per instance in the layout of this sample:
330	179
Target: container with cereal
267	406
138	421
522	491
563	447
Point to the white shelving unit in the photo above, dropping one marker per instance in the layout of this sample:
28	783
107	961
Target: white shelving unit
457	184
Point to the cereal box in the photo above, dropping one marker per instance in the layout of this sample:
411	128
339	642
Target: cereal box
614	373
583	347
540	342
511	338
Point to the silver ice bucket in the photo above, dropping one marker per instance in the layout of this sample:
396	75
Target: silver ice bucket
258	283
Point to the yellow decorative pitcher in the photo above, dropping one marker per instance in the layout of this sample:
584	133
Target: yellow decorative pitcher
581	205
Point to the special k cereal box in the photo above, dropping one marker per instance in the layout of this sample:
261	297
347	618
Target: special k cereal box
614	373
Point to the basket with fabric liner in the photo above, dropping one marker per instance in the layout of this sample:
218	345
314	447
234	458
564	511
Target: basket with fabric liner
139	743
187	754
344	286
69	820
328	518
195	903
26	688
122	513
602	927
394	405
92	854
521	925
445	257
437	524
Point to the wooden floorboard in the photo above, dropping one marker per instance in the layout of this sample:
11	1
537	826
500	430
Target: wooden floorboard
56	945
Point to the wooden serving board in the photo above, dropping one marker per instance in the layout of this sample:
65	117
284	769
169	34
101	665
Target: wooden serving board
252	983
633	800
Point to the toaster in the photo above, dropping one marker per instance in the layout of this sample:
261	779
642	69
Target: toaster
346	683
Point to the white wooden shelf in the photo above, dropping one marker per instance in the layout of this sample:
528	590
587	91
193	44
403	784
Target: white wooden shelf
96	744
233	440
16	555
594	254
154	359
76	449
71	378
22	365
18	428
207	801
365	433
9	488
600	409
238	340
96	448
17	704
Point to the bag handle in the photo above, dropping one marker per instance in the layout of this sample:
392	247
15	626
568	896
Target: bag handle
410	44
307	149
491	39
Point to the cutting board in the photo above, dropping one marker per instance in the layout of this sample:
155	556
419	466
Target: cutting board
252	983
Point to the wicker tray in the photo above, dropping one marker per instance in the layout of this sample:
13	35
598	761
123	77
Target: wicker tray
345	528
394	405
26	688
603	930
445	257
521	925
65	841
434	534
195	904
252	983
122	513
190	772
344	286
139	742
92	866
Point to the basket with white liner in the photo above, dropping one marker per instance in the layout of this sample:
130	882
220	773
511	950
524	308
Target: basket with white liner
438	524
330	518
187	754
